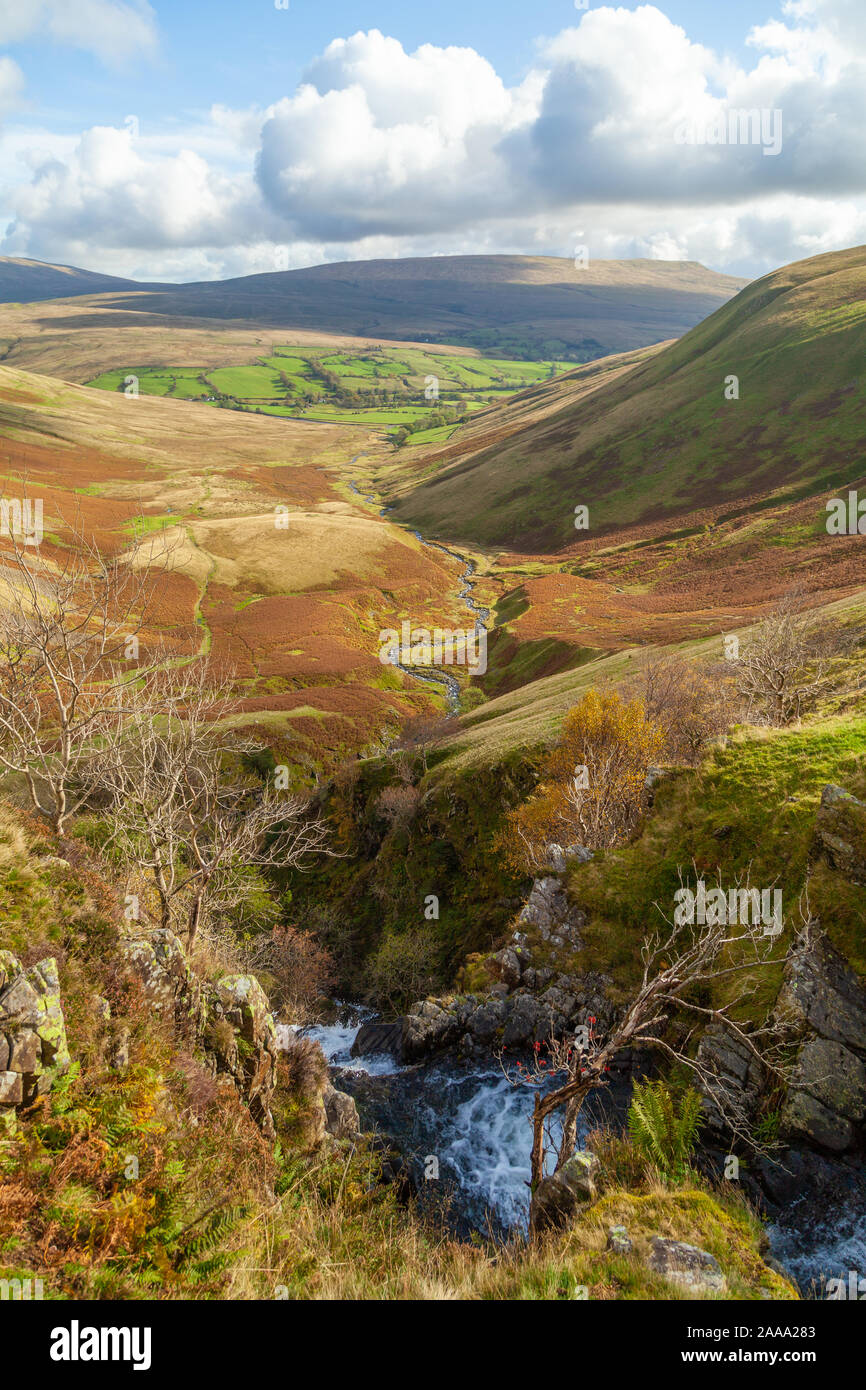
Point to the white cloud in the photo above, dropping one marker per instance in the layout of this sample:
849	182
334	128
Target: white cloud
384	152
113	190
11	85
115	30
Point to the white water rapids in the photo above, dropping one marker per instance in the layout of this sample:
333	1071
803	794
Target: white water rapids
469	1117
476	1124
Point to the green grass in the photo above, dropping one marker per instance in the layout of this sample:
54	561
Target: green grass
749	810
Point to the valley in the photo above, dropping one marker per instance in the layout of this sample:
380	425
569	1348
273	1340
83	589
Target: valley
292	481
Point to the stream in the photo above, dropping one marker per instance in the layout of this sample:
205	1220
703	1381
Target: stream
442	679
467	1117
475	1126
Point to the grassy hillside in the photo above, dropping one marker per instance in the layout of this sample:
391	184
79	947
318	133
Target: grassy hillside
24	281
661	439
295	610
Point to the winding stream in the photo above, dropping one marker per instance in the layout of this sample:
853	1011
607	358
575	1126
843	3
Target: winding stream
442	679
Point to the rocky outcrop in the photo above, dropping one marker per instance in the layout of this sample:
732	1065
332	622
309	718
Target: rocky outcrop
686	1266
548	910
732	1080
561	1196
840	833
33	1046
158	961
529	997
821	994
246	1049
823	1006
229	1019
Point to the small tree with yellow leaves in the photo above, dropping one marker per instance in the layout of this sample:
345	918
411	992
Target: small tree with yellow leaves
593	786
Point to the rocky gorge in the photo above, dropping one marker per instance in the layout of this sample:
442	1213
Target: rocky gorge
807	1169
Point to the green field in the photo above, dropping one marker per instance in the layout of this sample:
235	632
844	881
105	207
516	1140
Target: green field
391	388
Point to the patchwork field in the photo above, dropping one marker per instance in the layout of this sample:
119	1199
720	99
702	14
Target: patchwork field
406	391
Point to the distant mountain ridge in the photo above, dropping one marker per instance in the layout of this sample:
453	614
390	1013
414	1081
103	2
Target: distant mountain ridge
532	306
25	282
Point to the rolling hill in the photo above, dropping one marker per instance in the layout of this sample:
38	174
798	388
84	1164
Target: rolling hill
262	555
671	434
521	306
25	282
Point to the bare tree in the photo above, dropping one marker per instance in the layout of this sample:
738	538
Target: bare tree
69	657
182	809
423	732
677	960
693	703
785	661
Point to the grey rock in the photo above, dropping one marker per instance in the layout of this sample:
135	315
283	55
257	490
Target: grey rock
560	856
840	833
731	1079
33	1045
549	910
618	1240
341	1114
805	1117
687	1266
25	1054
835	1076
509	967
559	1197
11	1088
820	993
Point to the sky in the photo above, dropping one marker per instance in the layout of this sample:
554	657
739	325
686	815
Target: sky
199	139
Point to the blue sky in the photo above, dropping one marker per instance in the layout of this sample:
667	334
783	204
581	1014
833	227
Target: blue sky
240	54
264	137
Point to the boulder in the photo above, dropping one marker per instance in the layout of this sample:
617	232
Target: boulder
618	1241
686	1266
840	833
509	965
559	1197
341	1114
